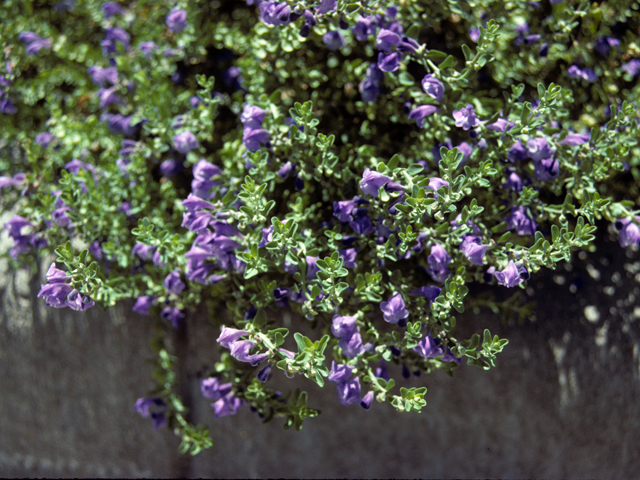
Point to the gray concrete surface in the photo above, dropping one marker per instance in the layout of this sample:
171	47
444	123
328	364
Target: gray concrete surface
563	402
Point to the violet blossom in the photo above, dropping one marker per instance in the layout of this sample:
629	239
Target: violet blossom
420	113
433	87
185	142
177	20
510	276
394	310
628	231
520	220
465	118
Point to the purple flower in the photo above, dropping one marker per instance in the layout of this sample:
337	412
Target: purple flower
628	231
427	291
172	314
253	137
101	75
343	326
517	152
44	139
143	407
273	13
55	294
34	42
349	392
342	209
170	167
603	45
474	34
388	62
510	276
202	184
110	9
544	50
349	257
327	6
177	20
473	249
386	39
143	304
466	117
352	345
538	148
55	275
514	182
115	34
263	375
427	348
173	284
339	374
438	260
501	125
433	87
78	301
394	310
15	181
531	39
7	107
227	405
520	220
546	169
407	45
185	142
632	67
147	48
108	96
366	401
372	181
587	74
212	389
420	113
193	203
312	268
229	336
575	139
435	183
363	28
333	40
143	251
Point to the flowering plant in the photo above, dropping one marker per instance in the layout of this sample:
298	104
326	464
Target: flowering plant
365	165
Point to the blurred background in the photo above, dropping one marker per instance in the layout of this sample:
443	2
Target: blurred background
563	400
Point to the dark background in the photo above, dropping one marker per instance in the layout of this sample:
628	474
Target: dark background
563	401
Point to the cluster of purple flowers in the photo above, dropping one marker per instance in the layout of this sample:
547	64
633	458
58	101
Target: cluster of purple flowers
253	134
585	73
34	42
215	245
224	399
350	341
348	390
59	294
23	239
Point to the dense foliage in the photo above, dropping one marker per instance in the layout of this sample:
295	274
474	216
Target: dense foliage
362	164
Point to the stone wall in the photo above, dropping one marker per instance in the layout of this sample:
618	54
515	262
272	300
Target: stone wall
564	400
